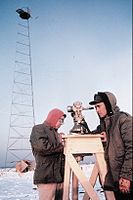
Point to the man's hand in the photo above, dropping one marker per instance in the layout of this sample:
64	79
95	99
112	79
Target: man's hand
61	138
103	138
124	185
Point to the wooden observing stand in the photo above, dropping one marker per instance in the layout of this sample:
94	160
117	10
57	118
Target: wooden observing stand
82	145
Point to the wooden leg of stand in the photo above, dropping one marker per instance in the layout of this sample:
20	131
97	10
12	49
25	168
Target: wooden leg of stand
109	195
74	187
66	188
101	164
92	180
82	178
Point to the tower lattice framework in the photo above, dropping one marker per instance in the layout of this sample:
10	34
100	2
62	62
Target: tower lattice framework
22	116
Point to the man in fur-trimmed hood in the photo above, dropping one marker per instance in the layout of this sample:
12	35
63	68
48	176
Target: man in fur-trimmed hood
117	127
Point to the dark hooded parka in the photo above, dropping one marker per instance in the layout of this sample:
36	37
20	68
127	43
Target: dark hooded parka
48	150
119	145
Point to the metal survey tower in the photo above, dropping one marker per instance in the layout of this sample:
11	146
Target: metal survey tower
22	116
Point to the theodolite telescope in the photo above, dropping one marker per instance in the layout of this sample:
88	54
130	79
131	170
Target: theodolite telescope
80	125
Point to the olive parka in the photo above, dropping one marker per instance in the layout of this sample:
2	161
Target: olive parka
48	150
119	145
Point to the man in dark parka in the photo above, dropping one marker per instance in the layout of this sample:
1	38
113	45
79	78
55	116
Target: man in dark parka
116	126
47	149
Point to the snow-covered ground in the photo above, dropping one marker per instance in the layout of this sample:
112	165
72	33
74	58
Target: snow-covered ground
20	187
16	187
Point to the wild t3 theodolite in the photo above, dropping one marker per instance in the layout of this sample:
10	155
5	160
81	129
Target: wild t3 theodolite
80	125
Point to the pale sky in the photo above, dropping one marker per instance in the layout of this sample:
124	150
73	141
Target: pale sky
78	47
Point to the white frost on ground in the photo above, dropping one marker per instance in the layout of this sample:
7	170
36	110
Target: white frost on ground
20	187
16	187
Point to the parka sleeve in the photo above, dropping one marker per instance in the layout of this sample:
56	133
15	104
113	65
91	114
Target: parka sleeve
126	133
40	143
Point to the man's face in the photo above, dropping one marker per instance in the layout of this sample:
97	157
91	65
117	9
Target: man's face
60	122
101	109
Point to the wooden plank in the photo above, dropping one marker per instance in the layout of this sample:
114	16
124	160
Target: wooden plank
79	145
74	187
67	174
92	180
84	144
109	195
101	164
81	177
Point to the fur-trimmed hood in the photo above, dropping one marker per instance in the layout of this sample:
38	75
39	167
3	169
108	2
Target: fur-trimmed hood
109	100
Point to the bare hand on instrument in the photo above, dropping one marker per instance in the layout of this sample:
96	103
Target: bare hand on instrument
61	138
